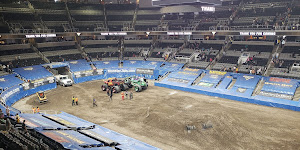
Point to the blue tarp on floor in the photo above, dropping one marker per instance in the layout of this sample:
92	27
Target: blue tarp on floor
106	64
38	121
33	72
10	80
79	65
126	142
69	120
70	139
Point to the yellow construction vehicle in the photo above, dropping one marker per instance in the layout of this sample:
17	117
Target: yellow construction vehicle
42	98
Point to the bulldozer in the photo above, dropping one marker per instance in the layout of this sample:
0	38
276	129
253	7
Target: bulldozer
42	98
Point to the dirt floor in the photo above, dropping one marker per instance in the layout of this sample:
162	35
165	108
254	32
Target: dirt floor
235	125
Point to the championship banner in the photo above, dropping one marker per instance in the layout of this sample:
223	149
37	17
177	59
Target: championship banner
144	71
36	83
87	73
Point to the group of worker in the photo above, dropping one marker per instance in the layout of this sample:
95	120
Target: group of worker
109	94
74	100
35	110
126	94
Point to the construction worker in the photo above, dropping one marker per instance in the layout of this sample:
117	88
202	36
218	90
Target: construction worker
110	96
126	94
73	101
122	94
107	91
131	95
7	111
37	110
76	100
17	118
94	102
33	110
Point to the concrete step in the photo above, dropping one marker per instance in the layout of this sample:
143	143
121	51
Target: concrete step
199	78
164	76
297	95
231	84
258	87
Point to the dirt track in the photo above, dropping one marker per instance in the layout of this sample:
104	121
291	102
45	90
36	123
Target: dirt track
236	125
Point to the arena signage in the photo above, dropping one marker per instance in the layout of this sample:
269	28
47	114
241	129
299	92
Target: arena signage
113	33
209	9
273	79
4	96
279	84
144	71
88	73
277	95
178	80
190	69
40	35
258	33
36	83
217	72
120	71
187	73
179	33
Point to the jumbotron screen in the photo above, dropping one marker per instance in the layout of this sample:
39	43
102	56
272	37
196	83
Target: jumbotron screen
182	2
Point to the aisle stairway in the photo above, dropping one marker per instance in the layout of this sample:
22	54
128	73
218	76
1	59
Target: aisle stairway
297	95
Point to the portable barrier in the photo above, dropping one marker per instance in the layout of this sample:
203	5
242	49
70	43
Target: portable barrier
234	94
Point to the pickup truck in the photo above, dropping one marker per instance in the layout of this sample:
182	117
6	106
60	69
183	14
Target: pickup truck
63	80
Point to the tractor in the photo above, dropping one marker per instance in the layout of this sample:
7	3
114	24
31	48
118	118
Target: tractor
41	97
139	83
117	85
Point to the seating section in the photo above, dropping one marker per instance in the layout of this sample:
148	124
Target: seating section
229	59
252	48
283	65
50	5
204	46
16	51
65	57
18	17
18	139
262	12
61	48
